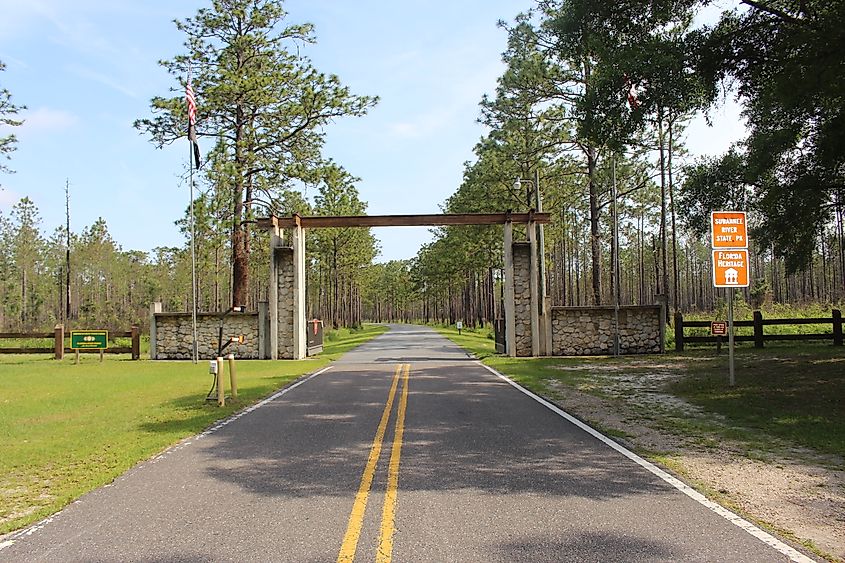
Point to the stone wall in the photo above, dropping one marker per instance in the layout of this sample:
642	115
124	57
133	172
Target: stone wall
584	331
522	297
174	338
284	279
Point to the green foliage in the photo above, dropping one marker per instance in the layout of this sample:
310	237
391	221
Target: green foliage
792	394
389	292
782	59
338	255
713	184
7	112
261	101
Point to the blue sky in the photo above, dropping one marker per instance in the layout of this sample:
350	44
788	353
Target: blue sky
87	69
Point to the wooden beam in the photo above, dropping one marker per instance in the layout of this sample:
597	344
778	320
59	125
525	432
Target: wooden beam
402	220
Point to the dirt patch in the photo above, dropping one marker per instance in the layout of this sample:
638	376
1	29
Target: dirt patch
793	492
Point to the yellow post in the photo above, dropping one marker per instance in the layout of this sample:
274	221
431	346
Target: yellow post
221	396
233	379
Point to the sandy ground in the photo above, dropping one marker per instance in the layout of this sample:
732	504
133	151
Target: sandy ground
794	493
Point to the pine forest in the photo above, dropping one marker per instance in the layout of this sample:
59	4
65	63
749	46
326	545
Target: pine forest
589	120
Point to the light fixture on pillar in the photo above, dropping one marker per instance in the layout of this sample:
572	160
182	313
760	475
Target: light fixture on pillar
541	342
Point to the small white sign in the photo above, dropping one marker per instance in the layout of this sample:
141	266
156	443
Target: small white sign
459	325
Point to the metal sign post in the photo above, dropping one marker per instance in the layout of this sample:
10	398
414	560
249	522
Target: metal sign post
732	379
729	241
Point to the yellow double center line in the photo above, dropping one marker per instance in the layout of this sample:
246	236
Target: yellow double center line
384	552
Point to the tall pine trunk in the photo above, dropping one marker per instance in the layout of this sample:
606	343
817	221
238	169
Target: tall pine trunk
240	245
595	236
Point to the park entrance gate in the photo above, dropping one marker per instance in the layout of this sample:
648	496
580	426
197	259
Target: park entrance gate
527	326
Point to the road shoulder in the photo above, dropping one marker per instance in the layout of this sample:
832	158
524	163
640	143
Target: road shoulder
792	493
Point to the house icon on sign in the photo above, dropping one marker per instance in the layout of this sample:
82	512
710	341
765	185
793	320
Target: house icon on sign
731	277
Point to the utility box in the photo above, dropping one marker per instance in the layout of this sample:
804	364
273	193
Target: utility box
314	336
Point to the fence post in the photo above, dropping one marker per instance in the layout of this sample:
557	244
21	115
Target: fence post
136	342
758	329
679	332
59	338
837	327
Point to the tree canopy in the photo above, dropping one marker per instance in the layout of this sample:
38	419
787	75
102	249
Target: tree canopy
786	60
260	100
8	111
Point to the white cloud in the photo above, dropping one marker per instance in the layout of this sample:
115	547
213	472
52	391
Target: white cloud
70	24
89	74
47	119
12	62
8	198
459	102
423	126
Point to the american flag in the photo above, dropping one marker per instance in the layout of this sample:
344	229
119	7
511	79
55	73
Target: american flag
192	120
631	92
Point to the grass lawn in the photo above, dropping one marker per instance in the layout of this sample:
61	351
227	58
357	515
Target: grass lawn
66	429
794	393
783	392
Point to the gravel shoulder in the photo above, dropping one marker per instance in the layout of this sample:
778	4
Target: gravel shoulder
793	492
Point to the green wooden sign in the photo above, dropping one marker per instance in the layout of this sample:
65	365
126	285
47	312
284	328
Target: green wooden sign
89	339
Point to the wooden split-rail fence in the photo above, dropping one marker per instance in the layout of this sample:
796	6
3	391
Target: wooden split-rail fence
59	336
759	336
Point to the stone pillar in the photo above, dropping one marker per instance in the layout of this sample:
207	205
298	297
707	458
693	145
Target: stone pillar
154	308
275	266
510	318
534	288
284	282
300	348
523	335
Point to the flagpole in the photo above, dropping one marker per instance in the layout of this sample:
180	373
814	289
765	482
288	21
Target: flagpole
195	351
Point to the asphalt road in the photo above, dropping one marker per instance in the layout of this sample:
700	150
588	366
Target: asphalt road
406	450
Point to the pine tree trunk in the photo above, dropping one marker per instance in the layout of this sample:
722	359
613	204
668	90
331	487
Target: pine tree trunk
595	236
663	287
675	275
240	248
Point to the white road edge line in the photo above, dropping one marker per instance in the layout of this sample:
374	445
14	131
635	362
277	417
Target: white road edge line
761	535
256	406
14	536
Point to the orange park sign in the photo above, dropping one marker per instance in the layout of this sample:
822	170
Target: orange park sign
728	229
730	268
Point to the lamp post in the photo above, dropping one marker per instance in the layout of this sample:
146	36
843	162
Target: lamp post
216	368
232	309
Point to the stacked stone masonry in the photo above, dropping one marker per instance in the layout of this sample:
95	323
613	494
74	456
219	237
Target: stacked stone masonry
285	279
585	331
174	335
522	297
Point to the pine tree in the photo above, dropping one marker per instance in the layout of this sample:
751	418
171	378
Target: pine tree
262	102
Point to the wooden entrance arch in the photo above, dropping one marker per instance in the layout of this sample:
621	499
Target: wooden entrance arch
527	330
